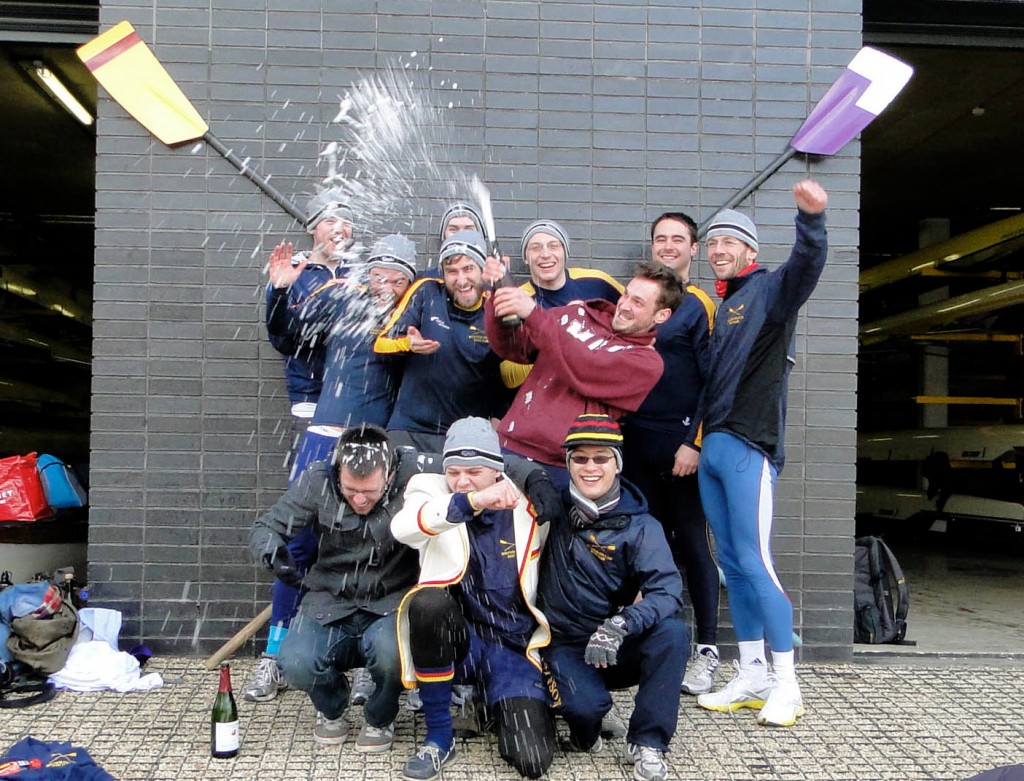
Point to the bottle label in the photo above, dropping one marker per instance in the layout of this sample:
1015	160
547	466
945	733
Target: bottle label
225	736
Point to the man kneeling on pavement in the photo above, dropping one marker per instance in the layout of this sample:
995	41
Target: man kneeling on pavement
604	550
473	617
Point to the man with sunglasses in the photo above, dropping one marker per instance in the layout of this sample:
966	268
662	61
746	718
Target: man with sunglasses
347	618
599	555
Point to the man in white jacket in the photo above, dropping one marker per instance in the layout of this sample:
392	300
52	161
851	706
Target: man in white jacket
473	616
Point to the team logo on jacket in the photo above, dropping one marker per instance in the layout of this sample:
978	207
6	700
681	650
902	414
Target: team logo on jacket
477	335
736	314
508	549
601	552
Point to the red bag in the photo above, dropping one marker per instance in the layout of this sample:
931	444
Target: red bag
21	491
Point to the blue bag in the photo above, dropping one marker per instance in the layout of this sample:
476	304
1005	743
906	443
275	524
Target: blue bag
60	485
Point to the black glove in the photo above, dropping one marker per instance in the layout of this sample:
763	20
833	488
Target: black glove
282	564
545	498
603	648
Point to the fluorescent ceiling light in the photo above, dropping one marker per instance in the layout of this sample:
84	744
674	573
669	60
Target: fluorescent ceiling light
48	80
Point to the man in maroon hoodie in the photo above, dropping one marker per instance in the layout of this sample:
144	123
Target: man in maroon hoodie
589	356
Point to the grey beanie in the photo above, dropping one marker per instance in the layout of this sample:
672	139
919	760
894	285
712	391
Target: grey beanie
468	243
730	222
460	210
545	226
325	204
394	252
473	442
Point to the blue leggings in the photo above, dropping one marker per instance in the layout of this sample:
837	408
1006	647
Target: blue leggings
737	483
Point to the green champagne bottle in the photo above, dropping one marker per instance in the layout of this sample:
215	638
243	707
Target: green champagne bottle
224	739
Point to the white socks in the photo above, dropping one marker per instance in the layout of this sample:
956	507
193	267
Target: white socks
782	662
752	659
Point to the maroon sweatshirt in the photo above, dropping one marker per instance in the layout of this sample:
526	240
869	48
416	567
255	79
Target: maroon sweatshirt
579	365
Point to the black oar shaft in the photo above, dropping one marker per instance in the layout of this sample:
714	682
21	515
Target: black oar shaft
254	177
750	186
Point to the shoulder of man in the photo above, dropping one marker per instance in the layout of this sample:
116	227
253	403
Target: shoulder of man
697	298
412	462
576	272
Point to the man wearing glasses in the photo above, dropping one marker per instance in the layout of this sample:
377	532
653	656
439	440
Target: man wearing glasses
600	554
347	618
359	386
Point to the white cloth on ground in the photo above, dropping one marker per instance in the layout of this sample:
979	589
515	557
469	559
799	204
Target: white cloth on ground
95	664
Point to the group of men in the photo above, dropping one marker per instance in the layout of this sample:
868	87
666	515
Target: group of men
466	508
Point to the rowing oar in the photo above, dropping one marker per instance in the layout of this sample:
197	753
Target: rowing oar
863	90
134	77
238	640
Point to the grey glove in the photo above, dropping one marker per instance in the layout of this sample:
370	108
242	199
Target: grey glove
603	647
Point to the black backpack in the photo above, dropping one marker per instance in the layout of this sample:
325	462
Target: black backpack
880	596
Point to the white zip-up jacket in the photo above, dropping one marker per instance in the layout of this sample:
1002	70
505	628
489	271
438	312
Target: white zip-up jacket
423	524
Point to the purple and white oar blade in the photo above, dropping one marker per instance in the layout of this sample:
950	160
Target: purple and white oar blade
869	84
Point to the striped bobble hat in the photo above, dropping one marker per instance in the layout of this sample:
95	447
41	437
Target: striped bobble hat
460	210
593	429
549	227
730	222
469	243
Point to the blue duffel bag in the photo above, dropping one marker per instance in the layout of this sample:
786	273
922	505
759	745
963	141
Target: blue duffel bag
59	483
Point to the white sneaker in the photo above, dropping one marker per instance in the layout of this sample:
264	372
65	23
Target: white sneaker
362	686
462	692
741	692
648	763
784	705
612	726
700	673
266	680
413	701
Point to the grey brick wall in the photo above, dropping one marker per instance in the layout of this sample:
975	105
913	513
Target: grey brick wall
597	114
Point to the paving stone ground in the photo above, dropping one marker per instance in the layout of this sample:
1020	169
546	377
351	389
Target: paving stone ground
944	722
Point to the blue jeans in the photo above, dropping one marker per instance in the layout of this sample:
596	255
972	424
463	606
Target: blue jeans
314	659
655	660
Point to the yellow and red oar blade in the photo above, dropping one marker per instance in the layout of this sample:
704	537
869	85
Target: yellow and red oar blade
120	60
131	73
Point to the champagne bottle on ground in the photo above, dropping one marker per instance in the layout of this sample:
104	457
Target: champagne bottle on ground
224	739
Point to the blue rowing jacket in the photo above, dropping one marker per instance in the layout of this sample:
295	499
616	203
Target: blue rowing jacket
581	284
304	355
589	573
460	379
751	351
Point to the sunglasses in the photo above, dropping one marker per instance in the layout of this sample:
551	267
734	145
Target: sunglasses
579	459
